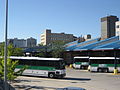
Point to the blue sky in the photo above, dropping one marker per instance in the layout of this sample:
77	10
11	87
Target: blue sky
29	18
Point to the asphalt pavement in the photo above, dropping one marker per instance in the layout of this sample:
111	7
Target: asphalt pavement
74	78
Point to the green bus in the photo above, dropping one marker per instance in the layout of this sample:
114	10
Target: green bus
81	62
49	67
104	64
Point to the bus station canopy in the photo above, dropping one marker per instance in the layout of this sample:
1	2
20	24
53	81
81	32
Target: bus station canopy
96	44
112	45
71	46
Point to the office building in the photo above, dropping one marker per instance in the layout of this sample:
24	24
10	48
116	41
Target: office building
108	26
18	43
22	43
48	37
31	42
118	29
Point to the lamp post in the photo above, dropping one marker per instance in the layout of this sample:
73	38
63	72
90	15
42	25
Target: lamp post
5	47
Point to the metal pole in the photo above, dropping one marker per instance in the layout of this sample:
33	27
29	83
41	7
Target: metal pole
5	47
115	61
89	60
89	56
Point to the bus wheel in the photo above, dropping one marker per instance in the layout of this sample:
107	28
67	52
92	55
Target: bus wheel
99	70
51	75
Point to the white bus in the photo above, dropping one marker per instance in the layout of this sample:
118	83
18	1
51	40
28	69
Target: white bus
104	64
50	67
81	62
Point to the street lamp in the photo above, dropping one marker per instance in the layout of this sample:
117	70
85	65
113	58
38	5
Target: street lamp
5	47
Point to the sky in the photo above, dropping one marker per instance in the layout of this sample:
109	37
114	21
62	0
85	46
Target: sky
29	18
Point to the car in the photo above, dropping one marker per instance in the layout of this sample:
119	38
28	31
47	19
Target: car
70	88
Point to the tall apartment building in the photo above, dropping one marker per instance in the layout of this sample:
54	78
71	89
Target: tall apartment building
108	26
22	43
118	28
47	37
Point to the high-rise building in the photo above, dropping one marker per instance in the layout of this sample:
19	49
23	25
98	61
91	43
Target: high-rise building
18	43
22	43
108	26
31	42
117	28
47	37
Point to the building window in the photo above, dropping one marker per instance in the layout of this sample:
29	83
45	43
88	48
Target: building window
117	26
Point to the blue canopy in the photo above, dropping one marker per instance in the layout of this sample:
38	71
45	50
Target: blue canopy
72	47
112	45
98	43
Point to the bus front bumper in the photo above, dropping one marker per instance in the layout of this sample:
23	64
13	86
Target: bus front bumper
60	75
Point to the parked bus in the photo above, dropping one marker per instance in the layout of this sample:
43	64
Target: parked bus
81	62
50	67
104	64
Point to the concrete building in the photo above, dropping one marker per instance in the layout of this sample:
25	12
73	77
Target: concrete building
108	26
118	28
18	43
22	43
47	37
31	42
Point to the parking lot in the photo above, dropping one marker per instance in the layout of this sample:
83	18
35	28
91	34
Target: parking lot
74	78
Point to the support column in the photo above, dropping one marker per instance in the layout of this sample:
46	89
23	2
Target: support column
115	63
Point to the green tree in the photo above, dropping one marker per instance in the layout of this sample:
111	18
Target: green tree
11	65
41	51
12	51
57	49
1	49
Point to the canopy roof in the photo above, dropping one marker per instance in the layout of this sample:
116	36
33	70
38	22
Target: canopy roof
96	44
112	45
77	45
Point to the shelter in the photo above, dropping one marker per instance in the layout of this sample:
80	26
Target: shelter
95	47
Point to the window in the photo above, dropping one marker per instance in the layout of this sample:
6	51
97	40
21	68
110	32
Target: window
117	26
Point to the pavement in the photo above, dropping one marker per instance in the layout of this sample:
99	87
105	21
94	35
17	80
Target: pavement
74	78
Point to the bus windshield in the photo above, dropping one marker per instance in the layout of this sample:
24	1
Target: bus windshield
60	64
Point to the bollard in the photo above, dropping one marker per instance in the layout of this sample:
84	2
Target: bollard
70	66
89	68
115	71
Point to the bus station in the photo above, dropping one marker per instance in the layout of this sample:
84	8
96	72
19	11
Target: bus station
103	49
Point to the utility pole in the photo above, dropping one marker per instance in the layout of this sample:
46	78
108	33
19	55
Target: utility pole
5	47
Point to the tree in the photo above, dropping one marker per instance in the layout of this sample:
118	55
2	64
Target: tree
12	51
57	48
1	49
11	65
40	51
